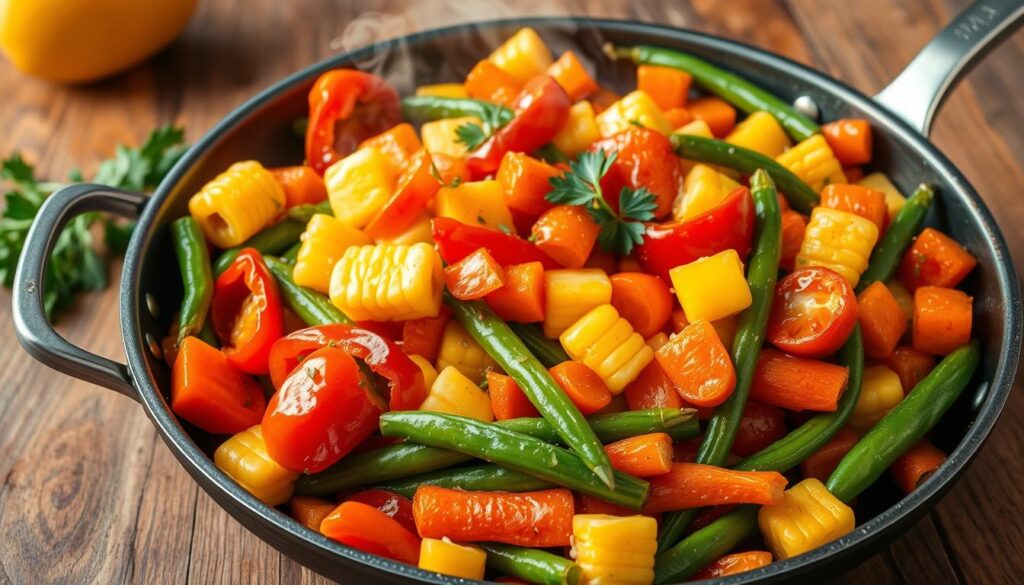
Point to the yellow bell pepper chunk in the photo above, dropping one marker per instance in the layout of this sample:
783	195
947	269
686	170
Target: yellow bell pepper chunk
880	392
712	287
429	372
476	203
439	137
324	243
453	393
760	132
615	550
635	107
703	190
807	517
523	56
459	349
579	132
445	557
448	90
894	199
360	184
244	459
695	128
419	231
570	294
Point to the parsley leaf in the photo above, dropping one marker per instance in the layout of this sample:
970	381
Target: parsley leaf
621	231
492	117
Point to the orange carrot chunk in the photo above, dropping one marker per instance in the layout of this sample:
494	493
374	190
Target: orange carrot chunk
734	564
642	299
366	528
793	227
698	364
211	393
718	113
524	181
540	518
667	86
310	512
582	385
797	383
567	233
507	399
942	319
301	184
678	117
850	140
914	466
652	389
693	485
522	298
642	455
858	200
910	365
823	462
474	276
491	83
935	259
399	143
882	321
572	76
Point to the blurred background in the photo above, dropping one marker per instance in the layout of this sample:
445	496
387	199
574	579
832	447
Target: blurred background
88	492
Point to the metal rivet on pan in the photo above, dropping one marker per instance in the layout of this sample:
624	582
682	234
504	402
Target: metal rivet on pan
806	106
154	346
154	309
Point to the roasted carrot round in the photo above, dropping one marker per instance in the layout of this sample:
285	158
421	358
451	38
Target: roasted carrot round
652	389
567	233
582	385
507	399
850	140
366	528
642	455
916	464
642	299
693	485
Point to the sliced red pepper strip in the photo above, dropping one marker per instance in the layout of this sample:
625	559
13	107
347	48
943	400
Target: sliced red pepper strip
382	355
247	313
456	240
335	126
730	225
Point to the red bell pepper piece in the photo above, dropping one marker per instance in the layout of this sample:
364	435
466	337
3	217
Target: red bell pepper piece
368	529
336	127
730	225
382	355
394	505
247	313
423	336
541	109
456	240
210	393
474	277
416	187
324	408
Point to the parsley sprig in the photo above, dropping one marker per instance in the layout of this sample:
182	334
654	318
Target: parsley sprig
492	117
76	265
582	186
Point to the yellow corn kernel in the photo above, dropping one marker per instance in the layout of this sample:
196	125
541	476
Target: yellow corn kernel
523	56
579	132
360	184
614	550
703	190
607	344
244	459
880	392
807	517
429	373
894	199
838	240
570	294
418	231
712	287
439	136
448	90
760	132
323	243
476	203
453	393
457	560
635	107
695	128
812	160
903	297
388	282
238	203
459	349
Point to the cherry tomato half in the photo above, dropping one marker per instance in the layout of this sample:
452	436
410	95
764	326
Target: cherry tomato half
813	313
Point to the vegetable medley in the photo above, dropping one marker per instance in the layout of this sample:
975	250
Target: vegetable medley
564	336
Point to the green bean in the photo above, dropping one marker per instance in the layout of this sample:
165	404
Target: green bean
196	276
512	450
531	564
897	238
425	107
705	545
291	254
494	335
550	153
272	240
478	478
799	195
761	275
548	351
905	424
400	461
791	450
312	307
305	212
727	85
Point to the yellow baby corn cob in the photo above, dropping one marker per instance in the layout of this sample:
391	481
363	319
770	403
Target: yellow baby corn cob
323	243
614	550
238	203
838	240
807	517
388	282
244	458
607	344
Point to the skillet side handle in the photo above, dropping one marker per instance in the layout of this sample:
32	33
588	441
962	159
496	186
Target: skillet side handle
919	90
34	330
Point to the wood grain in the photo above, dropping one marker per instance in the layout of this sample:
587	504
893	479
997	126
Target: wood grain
90	493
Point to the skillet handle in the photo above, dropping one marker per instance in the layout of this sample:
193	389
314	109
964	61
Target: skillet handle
34	330
919	90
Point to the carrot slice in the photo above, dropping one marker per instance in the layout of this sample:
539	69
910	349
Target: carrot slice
734	564
642	299
935	259
474	276
652	389
698	364
797	383
368	529
882	321
522	298
823	462
942	319
850	140
914	466
718	113
310	512
572	76
642	455
678	117
667	86
567	233
507	399
423	336
693	485
584	387
910	365
302	185
858	200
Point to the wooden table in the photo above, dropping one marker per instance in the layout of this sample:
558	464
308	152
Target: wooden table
89	492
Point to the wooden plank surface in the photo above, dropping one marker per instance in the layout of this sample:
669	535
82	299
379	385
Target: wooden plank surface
90	493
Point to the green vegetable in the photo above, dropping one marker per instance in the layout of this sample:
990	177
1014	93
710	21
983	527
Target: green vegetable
479	478
75	265
550	154
904	425
897	237
512	450
311	306
401	461
791	450
274	239
582	186
727	85
762	271
196	277
547	396
708	150
547	351
425	108
492	118
705	545
531	564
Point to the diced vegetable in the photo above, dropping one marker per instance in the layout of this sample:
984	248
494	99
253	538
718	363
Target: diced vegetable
366	528
850	140
916	465
761	426
636	107
812	160
489	82
880	392
211	393
423	336
698	365
692	485
910	365
388	282
439	137
716	113
570	294
858	200
796	383
642	455
807	517
667	86
572	76
323	243
360	184
760	132
237	203
540	519
474	277
507	398
453	393
302	185
642	299
414	191
449	90
456	240
523	55
942	319
652	389
459	349
935	259
244	459
712	287
838	240
524	181
310	512
813	313
426	367
614	549
735	564
521	300
607	344
400	143
579	132
456	560
477	203
894	199
567	233
823	462
582	385
882	321
704	189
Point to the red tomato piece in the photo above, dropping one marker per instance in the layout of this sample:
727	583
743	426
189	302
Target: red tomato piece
813	313
761	425
644	158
